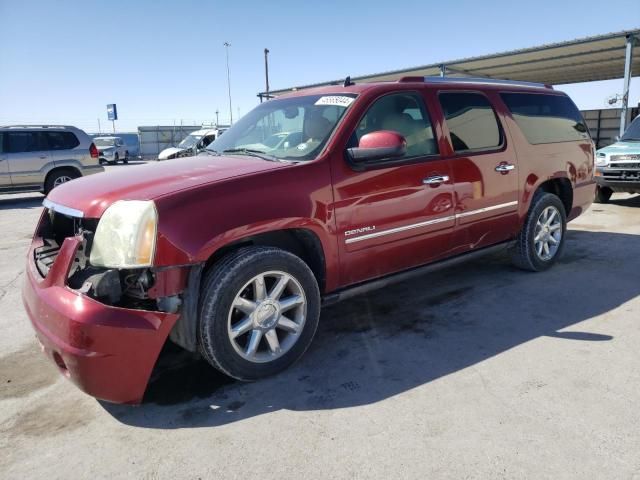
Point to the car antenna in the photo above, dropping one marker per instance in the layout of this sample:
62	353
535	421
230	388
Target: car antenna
348	82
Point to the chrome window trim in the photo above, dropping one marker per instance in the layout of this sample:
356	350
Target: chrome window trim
56	207
404	228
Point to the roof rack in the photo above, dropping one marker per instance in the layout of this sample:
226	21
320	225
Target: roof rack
37	126
485	80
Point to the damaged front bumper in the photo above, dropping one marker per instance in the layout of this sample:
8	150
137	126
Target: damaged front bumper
108	351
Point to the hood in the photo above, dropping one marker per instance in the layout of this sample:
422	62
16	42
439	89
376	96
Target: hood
104	148
621	148
93	194
164	154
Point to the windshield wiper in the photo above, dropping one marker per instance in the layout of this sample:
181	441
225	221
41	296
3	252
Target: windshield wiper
252	153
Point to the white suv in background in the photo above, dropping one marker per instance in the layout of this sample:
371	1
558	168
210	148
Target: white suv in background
38	158
192	144
111	149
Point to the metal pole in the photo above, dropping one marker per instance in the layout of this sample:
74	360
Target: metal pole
627	81
443	70
217	119
99	130
266	69
227	45
113	123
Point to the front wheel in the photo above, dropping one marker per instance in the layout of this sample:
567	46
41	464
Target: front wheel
259	311
541	240
603	194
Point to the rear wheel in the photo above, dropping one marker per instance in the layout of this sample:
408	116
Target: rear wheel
541	240
116	157
259	311
57	178
603	194
126	157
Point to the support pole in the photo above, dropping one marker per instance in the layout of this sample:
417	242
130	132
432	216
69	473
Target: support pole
631	40
443	70
266	70
226	46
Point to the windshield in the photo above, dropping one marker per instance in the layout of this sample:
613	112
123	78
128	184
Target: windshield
633	132
293	128
104	142
190	141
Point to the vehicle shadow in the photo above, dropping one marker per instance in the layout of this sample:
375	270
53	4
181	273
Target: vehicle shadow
376	346
15	202
632	201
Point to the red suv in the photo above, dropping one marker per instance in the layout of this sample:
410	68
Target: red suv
308	199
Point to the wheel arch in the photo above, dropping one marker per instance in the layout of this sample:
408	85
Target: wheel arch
57	169
559	185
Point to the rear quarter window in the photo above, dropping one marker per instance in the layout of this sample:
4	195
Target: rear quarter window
546	118
62	140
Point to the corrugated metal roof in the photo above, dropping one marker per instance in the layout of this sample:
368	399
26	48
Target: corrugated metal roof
582	60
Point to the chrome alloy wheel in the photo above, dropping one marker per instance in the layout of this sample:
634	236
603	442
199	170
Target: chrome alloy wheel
267	317
60	180
548	233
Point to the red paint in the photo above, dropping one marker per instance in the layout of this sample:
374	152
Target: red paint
206	203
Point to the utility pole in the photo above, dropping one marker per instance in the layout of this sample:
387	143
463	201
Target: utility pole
99	129
226	46
217	119
266	70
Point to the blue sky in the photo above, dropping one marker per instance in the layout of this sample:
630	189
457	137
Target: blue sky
164	62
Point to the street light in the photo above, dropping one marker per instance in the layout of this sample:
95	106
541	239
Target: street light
226	46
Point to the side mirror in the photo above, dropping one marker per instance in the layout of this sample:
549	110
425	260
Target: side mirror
378	145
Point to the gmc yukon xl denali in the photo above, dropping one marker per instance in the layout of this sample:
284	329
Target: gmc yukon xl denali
232	252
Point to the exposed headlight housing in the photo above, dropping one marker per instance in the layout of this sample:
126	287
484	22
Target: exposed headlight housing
126	235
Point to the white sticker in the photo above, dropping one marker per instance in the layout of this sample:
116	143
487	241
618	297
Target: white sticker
337	100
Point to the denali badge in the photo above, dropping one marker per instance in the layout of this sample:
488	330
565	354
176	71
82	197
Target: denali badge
348	233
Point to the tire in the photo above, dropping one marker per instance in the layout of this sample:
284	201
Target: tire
58	177
126	157
525	254
116	157
603	194
231	280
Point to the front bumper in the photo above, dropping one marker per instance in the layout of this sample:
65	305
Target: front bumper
620	176
108	352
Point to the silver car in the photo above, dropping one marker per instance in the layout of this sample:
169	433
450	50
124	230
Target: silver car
111	149
38	158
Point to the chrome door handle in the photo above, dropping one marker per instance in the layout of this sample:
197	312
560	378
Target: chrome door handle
436	180
505	167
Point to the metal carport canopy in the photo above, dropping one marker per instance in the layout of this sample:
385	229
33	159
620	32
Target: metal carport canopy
588	59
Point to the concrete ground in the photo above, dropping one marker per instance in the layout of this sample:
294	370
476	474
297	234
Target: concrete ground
480	371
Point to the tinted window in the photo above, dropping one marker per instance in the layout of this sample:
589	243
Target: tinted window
404	113
546	118
18	142
472	122
633	132
62	140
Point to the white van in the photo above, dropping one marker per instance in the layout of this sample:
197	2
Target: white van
192	144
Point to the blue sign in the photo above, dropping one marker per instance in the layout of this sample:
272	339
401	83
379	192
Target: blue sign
112	112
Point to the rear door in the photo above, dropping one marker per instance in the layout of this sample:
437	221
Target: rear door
28	157
396	214
484	168
61	145
5	174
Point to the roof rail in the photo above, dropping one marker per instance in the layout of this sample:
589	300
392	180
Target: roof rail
37	126
485	80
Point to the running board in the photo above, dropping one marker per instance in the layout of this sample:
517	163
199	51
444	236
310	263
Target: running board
377	283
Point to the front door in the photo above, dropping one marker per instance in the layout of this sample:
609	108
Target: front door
28	157
484	168
396	214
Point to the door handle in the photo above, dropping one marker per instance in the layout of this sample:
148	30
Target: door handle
505	167
43	157
436	180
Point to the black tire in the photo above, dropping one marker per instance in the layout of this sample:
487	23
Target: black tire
603	194
220	286
55	176
524	253
126	157
116	157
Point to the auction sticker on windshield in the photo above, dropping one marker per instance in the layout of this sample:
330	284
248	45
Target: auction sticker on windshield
338	100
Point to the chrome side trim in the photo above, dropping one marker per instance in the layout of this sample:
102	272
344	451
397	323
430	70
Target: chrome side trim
404	228
487	209
71	212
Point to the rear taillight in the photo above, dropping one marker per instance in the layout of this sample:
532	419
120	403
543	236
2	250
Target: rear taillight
93	151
